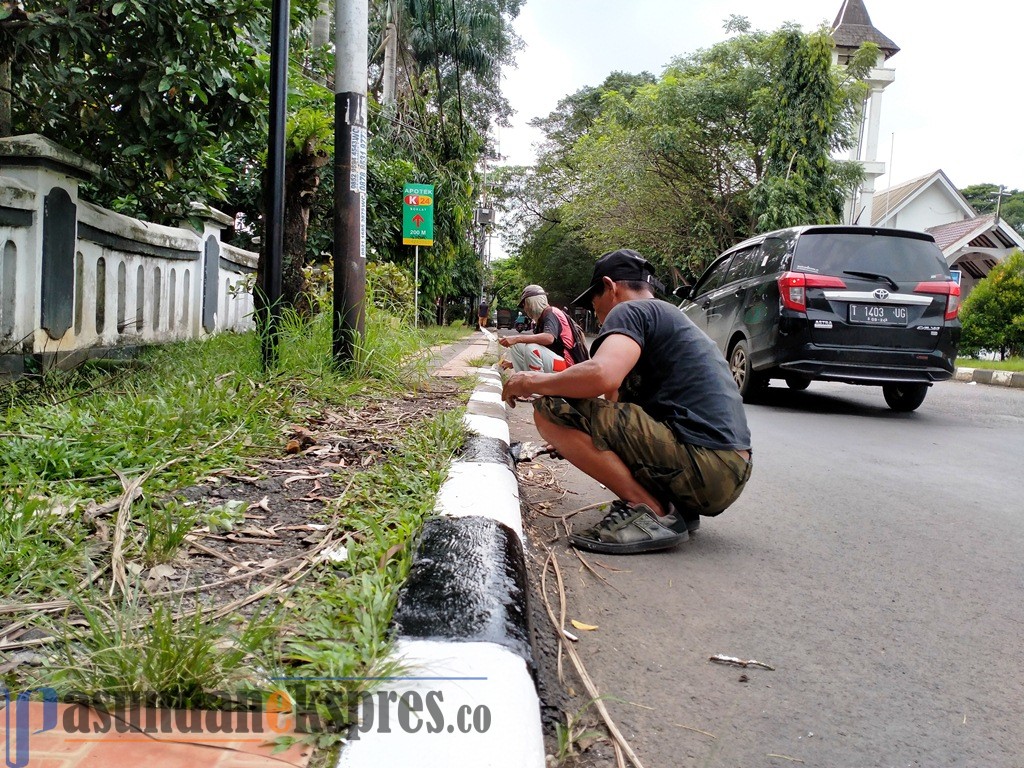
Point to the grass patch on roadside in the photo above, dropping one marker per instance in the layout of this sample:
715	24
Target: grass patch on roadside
484	361
1015	364
74	447
344	613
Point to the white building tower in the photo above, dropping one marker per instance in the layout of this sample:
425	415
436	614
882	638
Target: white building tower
851	28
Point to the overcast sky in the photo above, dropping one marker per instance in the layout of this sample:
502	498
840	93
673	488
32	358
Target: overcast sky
956	103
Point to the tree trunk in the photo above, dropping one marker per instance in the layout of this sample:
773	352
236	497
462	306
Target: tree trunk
390	65
6	125
321	31
301	181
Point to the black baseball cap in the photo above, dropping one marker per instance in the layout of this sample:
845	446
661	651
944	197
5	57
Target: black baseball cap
623	264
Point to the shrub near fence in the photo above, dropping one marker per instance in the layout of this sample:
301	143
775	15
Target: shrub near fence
79	281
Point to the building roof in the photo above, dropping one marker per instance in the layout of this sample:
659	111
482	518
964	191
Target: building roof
947	234
979	232
887	201
853	27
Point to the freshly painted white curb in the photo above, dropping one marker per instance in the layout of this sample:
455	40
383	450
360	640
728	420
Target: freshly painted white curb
479	697
482	490
488	426
495	687
491	398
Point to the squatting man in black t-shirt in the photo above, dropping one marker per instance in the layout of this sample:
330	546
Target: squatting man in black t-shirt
669	437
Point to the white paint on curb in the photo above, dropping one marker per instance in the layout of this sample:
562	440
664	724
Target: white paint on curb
491	398
478	696
1002	377
495	688
482	489
964	374
488	426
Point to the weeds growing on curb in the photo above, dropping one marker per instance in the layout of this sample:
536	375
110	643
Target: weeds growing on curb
94	469
576	735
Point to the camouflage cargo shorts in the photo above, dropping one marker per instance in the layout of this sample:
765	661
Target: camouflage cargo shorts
694	478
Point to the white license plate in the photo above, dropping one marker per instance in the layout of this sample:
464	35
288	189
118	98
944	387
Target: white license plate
878	314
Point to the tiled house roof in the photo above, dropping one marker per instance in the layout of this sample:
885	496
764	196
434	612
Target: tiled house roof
947	234
853	26
979	232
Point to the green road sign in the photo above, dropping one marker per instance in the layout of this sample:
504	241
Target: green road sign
418	214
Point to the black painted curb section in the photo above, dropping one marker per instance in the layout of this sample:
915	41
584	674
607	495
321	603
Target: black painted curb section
467	583
487	450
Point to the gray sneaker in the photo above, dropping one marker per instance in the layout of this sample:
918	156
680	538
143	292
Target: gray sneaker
628	530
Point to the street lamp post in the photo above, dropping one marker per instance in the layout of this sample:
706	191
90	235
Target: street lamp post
273	193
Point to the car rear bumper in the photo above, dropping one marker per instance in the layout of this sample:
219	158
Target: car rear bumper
875	367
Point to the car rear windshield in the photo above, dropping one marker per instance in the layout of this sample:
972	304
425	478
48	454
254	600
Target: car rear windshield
900	258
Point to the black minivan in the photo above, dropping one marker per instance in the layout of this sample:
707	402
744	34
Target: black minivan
861	305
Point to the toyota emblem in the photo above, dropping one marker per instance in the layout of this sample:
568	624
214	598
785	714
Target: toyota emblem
881	294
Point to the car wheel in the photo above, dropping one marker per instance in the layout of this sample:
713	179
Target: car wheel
904	397
748	381
797	382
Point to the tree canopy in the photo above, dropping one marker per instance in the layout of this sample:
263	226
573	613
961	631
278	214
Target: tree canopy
984	198
728	141
151	92
170	99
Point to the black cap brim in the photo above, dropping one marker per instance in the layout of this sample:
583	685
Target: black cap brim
585	298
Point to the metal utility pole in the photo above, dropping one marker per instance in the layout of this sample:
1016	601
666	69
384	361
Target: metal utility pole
350	146
273	192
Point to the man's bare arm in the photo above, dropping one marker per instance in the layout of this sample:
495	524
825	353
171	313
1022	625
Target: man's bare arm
544	339
600	375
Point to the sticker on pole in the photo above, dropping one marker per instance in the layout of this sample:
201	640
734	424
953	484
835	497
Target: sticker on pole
418	214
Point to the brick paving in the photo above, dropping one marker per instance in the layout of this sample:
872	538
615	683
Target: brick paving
82	738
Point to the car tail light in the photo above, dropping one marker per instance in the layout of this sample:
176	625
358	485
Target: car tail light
793	288
946	288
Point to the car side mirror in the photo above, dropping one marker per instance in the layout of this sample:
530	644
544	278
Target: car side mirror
683	291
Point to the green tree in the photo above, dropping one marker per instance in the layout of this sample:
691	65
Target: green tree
682	167
170	99
150	91
983	197
449	52
802	183
555	257
993	313
506	282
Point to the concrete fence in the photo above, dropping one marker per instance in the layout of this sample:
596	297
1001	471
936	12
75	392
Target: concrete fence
79	281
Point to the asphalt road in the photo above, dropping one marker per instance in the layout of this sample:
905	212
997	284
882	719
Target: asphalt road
874	560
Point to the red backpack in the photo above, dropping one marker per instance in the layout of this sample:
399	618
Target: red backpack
574	341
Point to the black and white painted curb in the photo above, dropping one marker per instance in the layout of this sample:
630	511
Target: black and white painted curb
462	623
988	376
